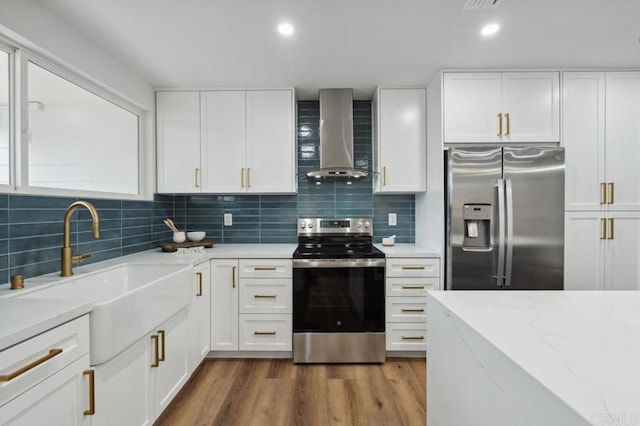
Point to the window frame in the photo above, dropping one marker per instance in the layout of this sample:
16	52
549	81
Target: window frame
11	111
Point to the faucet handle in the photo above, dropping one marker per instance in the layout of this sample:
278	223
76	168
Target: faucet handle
79	257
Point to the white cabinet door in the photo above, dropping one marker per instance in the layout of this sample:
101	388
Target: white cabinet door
178	141
401	140
203	311
271	153
622	263
123	393
583	136
223	141
224	304
623	139
532	102
60	400
471	104
584	250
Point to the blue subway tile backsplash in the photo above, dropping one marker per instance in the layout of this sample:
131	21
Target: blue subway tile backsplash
31	226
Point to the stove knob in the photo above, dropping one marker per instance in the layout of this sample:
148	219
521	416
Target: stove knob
302	224
359	225
366	225
309	225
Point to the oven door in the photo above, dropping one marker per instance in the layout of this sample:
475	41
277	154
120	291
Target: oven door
338	296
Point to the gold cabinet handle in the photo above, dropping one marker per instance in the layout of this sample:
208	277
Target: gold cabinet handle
52	353
265	268
384	176
162	346
611	193
412	337
199	274
412	310
603	193
603	229
249	178
611	235
413	287
156	351
413	267
92	392
242	178
197	178
264	296
233	276
264	333
500	124
508	124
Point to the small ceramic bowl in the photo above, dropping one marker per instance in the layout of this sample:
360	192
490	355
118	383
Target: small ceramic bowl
179	237
196	235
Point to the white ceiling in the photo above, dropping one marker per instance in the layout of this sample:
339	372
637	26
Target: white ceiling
349	43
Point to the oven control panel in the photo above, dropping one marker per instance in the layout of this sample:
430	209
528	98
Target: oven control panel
310	226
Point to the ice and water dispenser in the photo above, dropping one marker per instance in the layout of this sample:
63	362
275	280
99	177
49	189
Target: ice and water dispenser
477	227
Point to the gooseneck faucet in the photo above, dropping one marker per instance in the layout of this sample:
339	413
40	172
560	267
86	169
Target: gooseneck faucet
67	258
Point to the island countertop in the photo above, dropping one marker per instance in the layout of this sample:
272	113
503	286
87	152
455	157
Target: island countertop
581	347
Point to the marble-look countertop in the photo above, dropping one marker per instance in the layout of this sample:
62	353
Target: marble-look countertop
407	250
583	347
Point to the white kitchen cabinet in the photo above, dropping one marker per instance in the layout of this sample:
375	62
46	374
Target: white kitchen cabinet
502	107
602	250
236	141
224	304
200	316
400	140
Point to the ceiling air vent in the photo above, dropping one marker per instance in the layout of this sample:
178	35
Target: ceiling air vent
481	4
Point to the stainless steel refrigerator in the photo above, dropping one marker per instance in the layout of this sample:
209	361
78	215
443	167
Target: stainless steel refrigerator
505	218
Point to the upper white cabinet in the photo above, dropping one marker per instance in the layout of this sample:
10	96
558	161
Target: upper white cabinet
226	141
501	107
400	140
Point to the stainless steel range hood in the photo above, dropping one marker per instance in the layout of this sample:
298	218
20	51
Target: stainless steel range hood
336	135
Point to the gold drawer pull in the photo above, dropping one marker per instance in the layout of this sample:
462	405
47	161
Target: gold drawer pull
603	226
233	276
249	178
242	178
603	193
499	124
413	268
611	193
161	334
508	132
384	176
197	178
412	310
413	287
34	364
412	337
199	274
92	392
611	221
156	351
264	333
265	268
265	296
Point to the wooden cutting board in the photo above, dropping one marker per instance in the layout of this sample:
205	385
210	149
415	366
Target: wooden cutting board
172	247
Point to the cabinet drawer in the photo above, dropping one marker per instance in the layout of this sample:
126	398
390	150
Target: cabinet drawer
406	309
406	336
42	356
266	295
265	268
413	267
260	332
407	286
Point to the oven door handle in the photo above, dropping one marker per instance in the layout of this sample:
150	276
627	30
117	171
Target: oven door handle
338	263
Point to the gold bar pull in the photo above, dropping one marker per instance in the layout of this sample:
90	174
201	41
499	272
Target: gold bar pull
249	178
242	178
92	392
265	296
34	364
603	193
603	229
199	274
264	333
197	178
156	352
508	124
413	287
500	124
233	277
611	234
412	337
161	334
412	310
384	176
611	193
264	268
413	267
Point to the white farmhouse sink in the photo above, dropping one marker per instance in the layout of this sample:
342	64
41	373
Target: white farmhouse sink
129	301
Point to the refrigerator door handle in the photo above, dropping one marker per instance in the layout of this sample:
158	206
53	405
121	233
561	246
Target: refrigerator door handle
509	198
501	232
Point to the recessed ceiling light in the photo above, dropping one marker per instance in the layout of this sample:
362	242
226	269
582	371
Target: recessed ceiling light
489	30
286	29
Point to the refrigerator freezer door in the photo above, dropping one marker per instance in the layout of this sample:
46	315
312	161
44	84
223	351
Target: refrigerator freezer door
473	176
535	218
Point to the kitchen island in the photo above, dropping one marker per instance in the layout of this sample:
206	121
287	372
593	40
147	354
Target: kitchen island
533	358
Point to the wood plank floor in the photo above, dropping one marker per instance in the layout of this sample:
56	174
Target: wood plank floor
279	392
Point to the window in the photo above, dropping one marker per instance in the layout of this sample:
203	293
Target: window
5	118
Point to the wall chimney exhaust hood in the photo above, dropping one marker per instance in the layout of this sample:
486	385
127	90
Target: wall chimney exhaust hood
336	136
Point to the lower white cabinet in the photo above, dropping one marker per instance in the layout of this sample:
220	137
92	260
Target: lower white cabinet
224	305
271	332
602	251
199	316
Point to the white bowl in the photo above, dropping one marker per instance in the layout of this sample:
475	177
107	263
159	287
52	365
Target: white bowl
178	237
196	235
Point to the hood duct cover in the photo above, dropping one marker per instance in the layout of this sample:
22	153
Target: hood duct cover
336	135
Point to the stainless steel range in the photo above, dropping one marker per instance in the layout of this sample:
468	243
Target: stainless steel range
338	293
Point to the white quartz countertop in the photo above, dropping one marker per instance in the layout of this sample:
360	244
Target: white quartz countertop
21	319
582	346
408	250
